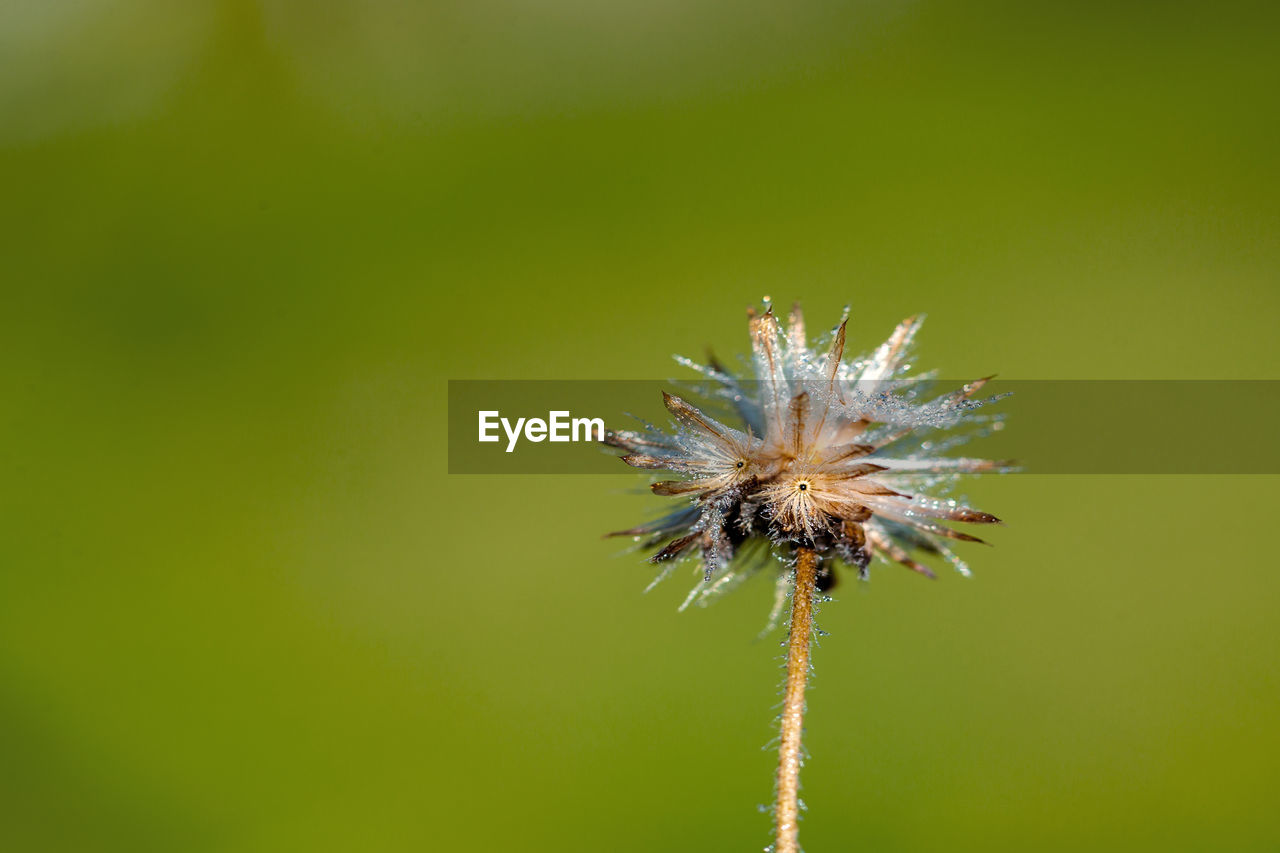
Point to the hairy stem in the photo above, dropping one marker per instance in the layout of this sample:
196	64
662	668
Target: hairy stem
787	813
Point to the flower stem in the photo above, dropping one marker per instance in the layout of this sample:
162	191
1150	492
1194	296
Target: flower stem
787	812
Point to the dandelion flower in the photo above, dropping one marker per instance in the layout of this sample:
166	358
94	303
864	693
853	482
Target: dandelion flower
830	461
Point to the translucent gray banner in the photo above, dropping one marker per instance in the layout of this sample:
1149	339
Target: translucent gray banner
1041	426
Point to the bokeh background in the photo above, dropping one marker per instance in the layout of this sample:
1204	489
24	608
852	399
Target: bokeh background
243	246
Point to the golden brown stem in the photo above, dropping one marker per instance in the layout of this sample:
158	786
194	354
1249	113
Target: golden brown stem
787	813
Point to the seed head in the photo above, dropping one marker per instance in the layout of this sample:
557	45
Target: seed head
840	456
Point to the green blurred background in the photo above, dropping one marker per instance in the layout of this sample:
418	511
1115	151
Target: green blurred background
244	245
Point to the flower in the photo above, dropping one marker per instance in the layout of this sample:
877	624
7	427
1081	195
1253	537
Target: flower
836	456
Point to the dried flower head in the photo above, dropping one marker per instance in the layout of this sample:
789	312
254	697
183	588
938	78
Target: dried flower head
832	455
